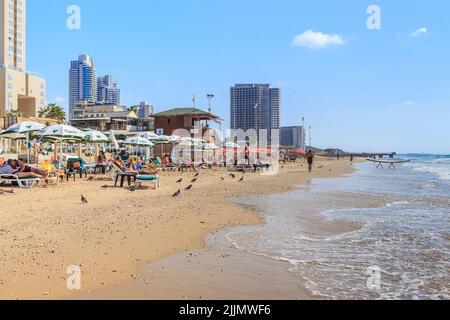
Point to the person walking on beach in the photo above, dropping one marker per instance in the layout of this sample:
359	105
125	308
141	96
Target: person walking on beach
310	158
247	155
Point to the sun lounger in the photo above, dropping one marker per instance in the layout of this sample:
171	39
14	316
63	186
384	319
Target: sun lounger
23	182
143	179
155	161
118	171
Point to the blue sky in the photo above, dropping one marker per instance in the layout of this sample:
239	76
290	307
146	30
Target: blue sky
364	90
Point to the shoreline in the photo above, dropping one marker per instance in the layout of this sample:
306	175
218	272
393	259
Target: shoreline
218	271
119	231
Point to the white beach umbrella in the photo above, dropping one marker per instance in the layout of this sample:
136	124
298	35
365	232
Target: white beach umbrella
95	136
210	146
62	132
23	130
138	142
113	139
148	135
231	145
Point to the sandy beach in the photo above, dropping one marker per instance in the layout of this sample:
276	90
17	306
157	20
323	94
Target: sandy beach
45	230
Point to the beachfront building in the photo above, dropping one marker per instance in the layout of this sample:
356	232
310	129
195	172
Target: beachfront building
104	117
255	106
21	92
107	90
293	137
82	83
195	121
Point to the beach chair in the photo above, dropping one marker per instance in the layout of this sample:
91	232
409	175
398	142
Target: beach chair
119	171
143	179
53	173
23	182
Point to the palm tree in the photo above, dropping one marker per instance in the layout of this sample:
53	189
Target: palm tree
15	113
53	111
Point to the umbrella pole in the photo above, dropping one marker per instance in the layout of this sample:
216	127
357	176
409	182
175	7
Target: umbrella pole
60	155
28	148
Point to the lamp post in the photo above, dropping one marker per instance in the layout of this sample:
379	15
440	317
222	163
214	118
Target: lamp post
210	96
310	137
303	134
257	125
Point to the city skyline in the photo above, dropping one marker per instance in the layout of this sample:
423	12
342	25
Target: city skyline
360	89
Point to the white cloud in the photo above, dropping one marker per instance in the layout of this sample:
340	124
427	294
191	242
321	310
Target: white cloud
419	32
317	40
408	103
59	99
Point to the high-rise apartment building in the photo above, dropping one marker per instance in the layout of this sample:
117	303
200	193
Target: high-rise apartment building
82	82
293	136
255	106
107	90
20	90
145	110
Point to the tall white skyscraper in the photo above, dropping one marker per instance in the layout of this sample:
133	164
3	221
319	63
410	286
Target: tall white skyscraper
82	82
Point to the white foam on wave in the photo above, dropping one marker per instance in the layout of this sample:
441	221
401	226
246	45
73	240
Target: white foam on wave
437	166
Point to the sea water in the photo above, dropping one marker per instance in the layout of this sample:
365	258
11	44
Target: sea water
334	233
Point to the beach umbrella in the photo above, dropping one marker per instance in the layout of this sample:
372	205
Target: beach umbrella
113	139
210	146
95	136
62	132
23	130
231	145
161	140
299	151
138	141
148	135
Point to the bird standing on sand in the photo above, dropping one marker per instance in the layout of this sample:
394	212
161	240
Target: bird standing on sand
194	180
241	179
233	175
176	194
222	178
188	188
180	181
83	200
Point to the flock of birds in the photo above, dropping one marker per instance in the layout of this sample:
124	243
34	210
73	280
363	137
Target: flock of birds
176	194
195	179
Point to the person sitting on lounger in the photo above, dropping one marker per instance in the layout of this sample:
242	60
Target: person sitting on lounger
28	171
102	162
167	162
7	169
